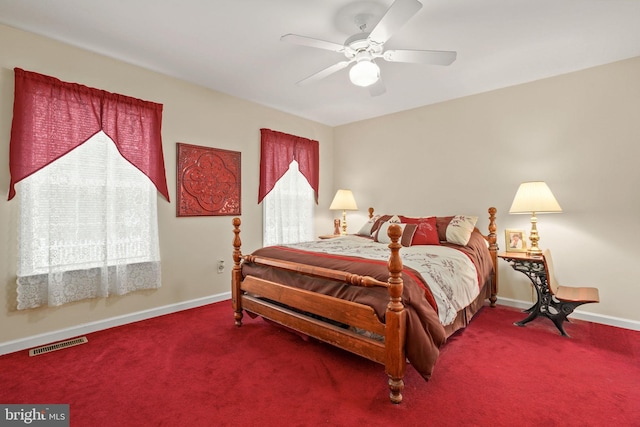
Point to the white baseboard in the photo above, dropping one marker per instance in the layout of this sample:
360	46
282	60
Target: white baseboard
580	315
63	334
72	332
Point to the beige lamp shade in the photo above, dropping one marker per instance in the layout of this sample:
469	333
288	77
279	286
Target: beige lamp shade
535	197
344	200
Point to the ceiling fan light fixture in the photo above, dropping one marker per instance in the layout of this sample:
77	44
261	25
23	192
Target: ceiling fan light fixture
364	73
376	28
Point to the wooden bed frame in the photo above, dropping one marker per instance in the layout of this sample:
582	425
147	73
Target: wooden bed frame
252	295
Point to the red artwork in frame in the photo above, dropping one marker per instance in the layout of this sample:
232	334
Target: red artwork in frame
208	181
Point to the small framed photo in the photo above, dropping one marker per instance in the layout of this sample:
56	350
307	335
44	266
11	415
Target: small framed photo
515	240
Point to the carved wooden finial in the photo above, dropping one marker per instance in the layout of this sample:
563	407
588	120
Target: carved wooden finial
370	213
492	237
236	273
236	241
395	319
395	269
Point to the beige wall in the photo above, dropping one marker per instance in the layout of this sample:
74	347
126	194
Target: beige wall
189	246
579	132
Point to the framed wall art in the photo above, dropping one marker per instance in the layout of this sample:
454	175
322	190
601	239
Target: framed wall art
207	180
515	240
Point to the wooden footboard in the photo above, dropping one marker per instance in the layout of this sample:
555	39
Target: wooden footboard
258	296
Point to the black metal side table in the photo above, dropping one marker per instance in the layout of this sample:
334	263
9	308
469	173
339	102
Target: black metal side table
532	266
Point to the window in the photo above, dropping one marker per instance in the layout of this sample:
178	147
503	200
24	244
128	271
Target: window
88	228
288	210
88	216
289	175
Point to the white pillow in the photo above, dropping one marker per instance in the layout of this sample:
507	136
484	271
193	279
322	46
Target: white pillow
460	228
383	236
365	230
395	219
408	231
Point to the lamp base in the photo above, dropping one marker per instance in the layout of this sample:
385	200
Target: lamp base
534	252
344	223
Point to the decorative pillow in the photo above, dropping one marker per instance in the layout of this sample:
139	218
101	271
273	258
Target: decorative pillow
408	231
441	224
407	234
460	228
378	222
427	233
365	230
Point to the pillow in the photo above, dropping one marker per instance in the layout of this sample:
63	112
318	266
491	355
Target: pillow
460	228
378	222
441	224
426	233
365	230
408	231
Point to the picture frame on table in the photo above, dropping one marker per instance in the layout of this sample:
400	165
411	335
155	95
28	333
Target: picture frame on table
515	240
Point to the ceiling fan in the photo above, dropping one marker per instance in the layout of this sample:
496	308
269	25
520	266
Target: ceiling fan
367	46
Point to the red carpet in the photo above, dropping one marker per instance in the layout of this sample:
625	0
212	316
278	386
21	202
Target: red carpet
195	368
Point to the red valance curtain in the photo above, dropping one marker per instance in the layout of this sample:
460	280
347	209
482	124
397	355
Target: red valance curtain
278	150
52	117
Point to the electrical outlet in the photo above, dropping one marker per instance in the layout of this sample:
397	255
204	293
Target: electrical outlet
220	265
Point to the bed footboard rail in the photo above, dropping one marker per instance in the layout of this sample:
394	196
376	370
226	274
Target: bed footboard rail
309	270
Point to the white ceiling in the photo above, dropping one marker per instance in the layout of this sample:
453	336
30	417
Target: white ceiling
233	46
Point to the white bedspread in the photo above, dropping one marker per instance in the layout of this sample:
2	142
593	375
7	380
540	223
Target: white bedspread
449	273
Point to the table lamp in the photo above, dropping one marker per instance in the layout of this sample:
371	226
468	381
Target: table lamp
343	200
534	198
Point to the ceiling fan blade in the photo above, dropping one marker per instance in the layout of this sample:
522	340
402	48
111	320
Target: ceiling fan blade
432	57
378	88
396	16
308	41
324	73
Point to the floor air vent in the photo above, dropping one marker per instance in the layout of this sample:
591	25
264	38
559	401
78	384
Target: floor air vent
57	346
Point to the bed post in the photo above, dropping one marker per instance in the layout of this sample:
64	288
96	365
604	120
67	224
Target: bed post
395	321
236	274
493	250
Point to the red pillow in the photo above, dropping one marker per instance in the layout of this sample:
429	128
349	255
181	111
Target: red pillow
426	233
